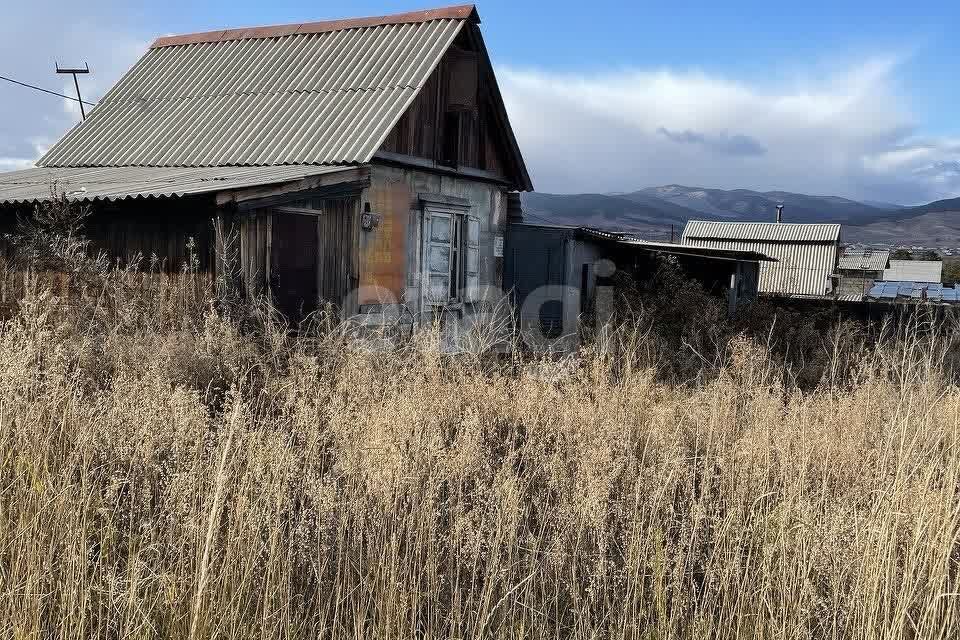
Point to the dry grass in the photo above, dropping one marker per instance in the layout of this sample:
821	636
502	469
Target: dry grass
169	476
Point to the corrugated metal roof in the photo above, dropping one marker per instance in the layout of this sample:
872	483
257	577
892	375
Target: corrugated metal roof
704	252
864	260
317	98
632	240
914	271
119	183
806	254
767	231
850	297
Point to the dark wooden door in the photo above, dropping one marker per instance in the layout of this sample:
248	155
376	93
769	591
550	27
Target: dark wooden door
293	265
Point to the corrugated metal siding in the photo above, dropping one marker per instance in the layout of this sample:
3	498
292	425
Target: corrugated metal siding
801	269
914	271
767	231
806	254
119	183
325	98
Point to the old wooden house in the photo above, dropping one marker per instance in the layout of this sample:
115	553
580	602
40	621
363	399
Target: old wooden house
366	162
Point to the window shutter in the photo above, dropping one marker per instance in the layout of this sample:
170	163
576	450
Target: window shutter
473	259
436	281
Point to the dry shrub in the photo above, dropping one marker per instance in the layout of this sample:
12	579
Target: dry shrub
669	322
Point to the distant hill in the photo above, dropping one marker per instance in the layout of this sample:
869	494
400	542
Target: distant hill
604	211
936	224
932	229
653	210
743	204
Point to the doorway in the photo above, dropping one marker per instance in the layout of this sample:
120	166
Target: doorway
293	265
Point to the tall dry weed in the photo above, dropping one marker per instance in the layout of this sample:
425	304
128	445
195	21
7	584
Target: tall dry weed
178	465
198	479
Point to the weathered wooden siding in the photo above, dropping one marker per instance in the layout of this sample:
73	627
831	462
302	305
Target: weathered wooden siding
456	86
253	231
416	134
336	227
159	232
153	233
149	237
338	231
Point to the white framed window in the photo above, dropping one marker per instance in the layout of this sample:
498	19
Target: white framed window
451	256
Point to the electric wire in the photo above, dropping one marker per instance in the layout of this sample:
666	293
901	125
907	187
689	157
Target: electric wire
53	93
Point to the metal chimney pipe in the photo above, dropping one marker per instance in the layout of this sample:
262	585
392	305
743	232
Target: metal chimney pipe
779	213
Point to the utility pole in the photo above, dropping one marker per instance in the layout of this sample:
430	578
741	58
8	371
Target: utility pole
76	83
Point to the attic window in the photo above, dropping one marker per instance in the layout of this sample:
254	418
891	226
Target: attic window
451	138
462	86
461	102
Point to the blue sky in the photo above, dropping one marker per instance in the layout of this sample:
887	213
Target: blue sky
849	98
748	39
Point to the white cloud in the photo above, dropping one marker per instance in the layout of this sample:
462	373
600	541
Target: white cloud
847	132
15	164
33	37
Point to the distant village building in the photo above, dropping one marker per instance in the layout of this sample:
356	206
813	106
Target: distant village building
805	254
366	162
922	271
858	270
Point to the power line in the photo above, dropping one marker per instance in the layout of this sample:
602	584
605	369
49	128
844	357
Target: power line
54	93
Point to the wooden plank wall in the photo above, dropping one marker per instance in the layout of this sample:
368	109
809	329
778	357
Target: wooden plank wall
253	231
157	231
419	132
138	230
337	228
338	233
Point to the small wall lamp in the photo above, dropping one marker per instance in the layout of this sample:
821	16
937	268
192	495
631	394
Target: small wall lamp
369	220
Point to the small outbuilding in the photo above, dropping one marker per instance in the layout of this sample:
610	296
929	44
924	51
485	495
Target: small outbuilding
804	255
920	271
858	270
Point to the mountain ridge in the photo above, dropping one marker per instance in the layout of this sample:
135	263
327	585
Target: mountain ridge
659	211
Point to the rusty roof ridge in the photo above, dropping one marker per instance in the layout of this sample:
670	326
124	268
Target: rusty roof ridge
455	12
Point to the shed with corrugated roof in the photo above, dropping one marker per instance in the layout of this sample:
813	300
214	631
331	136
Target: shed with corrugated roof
805	254
858	270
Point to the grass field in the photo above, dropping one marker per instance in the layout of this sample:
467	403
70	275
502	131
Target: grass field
167	475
